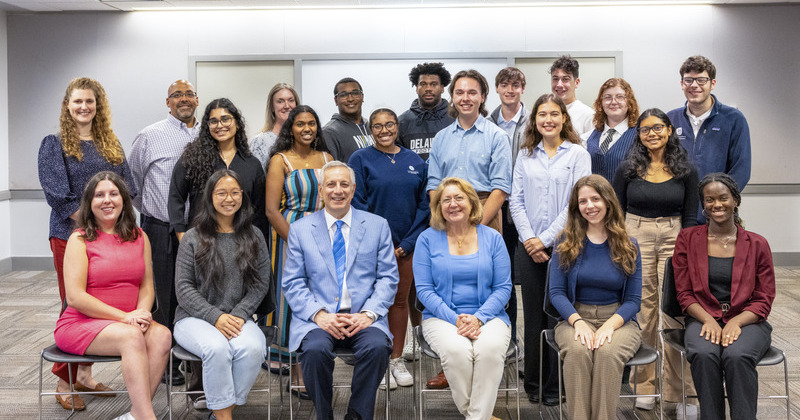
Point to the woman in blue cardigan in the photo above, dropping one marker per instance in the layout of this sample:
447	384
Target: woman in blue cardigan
596	287
463	277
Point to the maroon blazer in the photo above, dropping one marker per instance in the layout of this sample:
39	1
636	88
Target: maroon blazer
753	282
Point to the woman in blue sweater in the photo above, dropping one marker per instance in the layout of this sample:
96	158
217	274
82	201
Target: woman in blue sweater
596	287
390	182
463	276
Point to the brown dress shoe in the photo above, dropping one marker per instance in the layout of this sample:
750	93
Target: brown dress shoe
99	388
66	401
438	382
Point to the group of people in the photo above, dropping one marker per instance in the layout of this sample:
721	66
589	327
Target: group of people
332	233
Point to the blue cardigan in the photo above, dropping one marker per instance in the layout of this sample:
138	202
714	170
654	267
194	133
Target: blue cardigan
563	285
434	278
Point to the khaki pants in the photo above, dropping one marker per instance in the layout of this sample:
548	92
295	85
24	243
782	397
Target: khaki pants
592	377
496	222
656	237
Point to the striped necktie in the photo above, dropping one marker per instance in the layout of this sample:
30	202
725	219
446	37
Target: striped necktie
340	257
607	141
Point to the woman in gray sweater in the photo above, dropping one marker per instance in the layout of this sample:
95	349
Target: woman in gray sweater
222	275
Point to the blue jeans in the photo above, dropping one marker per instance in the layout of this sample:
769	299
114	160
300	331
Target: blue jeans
230	367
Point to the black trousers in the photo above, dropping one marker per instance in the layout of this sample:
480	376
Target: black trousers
164	247
511	239
736	365
532	276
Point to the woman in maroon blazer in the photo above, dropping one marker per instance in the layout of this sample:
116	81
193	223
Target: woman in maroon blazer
726	284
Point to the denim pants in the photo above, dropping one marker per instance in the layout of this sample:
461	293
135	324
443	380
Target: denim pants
230	367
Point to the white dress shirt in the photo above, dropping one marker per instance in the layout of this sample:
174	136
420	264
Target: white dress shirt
345	304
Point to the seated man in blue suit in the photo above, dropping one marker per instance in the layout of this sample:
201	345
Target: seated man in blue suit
340	278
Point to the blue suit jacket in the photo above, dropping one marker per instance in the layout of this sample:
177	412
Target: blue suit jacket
309	275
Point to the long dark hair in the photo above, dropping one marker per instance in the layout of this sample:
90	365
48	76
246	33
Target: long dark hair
285	139
126	222
201	154
532	135
208	257
638	159
730	184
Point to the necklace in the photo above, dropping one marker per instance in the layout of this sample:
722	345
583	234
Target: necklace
392	159
723	240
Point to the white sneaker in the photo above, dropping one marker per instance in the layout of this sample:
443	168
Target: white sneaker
126	416
646	403
400	373
409	354
200	403
691	412
392	382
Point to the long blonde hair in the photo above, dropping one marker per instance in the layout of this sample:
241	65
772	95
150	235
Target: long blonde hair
269	114
105	140
573	237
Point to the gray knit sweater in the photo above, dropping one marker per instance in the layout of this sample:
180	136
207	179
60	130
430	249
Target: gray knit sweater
198	299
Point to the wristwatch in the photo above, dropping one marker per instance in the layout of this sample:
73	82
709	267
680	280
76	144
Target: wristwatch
372	315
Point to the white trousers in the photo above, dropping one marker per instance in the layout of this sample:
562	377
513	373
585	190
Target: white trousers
474	368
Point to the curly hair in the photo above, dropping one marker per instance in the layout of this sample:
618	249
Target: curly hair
269	114
676	161
199	156
699	64
730	184
208	257
436	69
126	222
475	75
103	136
532	135
573	237
566	63
437	216
285	139
600	117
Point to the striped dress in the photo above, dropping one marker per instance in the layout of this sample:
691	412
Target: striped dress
300	198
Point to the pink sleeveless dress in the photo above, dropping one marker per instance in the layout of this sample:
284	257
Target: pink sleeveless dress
114	274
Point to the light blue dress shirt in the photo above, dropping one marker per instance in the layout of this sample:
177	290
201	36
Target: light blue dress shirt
480	155
541	189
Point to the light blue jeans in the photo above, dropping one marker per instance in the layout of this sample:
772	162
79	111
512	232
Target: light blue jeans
230	367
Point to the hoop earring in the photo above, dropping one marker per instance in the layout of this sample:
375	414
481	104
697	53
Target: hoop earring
703	212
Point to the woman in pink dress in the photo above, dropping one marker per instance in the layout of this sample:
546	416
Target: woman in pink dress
109	286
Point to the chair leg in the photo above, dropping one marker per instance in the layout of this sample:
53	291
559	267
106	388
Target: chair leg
41	369
786	385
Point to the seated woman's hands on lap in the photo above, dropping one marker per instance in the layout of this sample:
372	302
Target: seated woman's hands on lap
230	326
138	317
468	326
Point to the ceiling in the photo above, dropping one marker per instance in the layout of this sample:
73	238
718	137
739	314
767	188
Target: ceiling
127	5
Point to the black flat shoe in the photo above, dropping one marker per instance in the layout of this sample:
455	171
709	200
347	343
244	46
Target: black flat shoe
303	395
534	398
283	370
177	378
553	401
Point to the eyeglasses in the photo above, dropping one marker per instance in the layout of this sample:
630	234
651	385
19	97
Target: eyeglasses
178	95
700	80
225	121
221	195
608	98
355	94
379	127
458	199
658	129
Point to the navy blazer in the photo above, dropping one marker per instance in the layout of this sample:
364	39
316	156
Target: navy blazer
309	280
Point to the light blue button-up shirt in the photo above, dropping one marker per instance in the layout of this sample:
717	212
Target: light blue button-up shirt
480	155
541	189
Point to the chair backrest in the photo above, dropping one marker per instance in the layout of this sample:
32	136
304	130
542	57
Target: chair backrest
548	307
669	296
418	305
